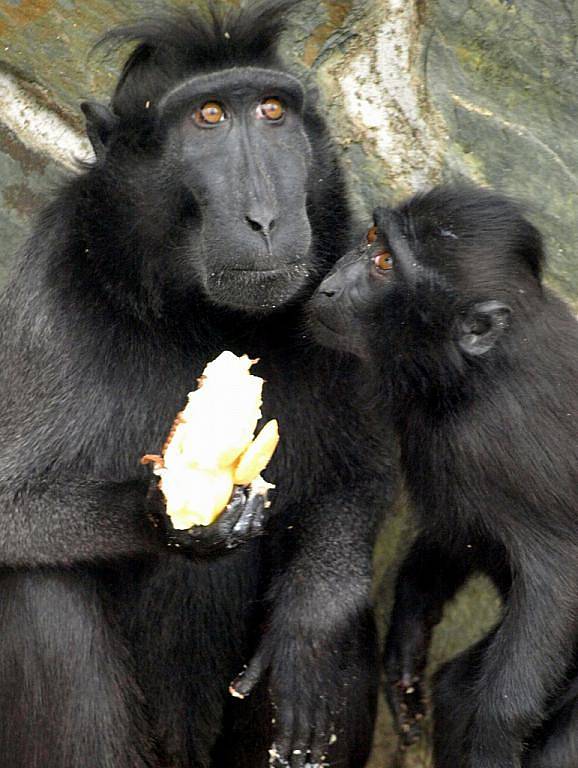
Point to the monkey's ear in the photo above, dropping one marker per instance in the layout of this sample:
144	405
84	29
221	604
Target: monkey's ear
100	124
483	326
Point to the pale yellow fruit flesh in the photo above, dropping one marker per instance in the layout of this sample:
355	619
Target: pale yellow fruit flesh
196	496
258	454
220	417
211	447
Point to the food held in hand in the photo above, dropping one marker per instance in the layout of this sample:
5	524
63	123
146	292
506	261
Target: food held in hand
211	446
257	455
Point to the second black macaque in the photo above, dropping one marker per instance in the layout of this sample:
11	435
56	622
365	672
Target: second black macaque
478	362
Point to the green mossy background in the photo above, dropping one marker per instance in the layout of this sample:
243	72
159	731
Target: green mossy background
416	91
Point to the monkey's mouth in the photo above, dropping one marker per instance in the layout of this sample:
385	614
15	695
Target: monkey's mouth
340	339
267	271
325	327
258	290
324	333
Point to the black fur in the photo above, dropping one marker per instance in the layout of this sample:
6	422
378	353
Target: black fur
480	363
116	651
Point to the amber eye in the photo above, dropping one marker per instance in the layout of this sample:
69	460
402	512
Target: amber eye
210	113
372	235
271	109
383	261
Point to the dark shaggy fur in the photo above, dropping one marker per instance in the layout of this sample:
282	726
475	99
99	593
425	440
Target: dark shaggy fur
116	651
481	363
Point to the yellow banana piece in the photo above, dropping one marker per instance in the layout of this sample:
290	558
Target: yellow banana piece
258	454
210	446
195	496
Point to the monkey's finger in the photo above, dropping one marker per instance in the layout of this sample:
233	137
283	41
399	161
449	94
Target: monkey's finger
275	759
244	683
302	729
251	520
411	710
297	756
233	512
285	719
321	736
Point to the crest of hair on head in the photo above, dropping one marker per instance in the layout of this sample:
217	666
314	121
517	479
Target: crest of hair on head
181	42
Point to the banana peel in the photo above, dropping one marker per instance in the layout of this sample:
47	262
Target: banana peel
211	446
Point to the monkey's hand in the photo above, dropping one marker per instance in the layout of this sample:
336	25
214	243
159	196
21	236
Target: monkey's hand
314	683
242	520
404	662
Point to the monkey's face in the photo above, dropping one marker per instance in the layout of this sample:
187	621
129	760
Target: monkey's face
415	301
345	312
236	146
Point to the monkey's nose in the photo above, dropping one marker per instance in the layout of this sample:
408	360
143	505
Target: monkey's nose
261	222
331	287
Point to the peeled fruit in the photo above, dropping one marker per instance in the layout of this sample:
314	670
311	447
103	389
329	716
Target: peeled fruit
257	455
210	447
195	496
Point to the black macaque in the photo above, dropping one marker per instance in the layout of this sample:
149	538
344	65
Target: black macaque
479	364
214	207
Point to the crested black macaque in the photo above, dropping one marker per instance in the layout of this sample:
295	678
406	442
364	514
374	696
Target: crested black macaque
214	207
479	364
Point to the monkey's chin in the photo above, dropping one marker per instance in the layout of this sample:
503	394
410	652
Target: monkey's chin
258	291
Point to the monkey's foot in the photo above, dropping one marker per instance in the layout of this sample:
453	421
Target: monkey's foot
407	702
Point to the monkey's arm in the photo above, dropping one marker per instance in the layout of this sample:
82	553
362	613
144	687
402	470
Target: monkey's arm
318	654
530	652
60	521
65	520
429	577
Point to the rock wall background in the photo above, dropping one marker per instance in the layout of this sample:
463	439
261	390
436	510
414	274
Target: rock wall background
416	91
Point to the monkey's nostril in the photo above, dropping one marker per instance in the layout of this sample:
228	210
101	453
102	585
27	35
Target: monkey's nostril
261	224
255	226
